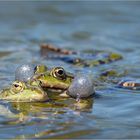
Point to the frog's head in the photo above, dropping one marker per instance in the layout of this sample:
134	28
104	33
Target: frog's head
22	92
56	78
40	69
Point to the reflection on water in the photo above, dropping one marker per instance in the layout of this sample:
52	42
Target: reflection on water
111	26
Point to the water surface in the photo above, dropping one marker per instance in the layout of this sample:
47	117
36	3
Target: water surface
110	26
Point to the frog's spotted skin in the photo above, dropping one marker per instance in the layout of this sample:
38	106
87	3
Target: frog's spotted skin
129	84
22	92
56	78
89	58
105	59
111	57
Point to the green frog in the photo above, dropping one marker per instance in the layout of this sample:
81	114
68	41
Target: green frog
68	85
23	92
45	81
55	78
34	90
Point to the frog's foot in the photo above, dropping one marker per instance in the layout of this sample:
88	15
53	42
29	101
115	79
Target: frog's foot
129	84
84	105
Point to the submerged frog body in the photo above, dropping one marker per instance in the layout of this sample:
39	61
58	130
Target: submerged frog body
115	77
94	60
88	58
23	92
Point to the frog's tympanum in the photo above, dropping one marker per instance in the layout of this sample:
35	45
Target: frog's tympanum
23	92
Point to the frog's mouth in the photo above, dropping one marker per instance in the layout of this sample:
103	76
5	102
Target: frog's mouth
57	86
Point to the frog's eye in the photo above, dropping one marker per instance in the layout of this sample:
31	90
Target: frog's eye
17	86
40	69
59	73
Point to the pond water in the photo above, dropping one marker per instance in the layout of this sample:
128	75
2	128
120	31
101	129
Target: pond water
111	26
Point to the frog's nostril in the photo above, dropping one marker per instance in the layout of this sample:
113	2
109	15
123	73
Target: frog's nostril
40	82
